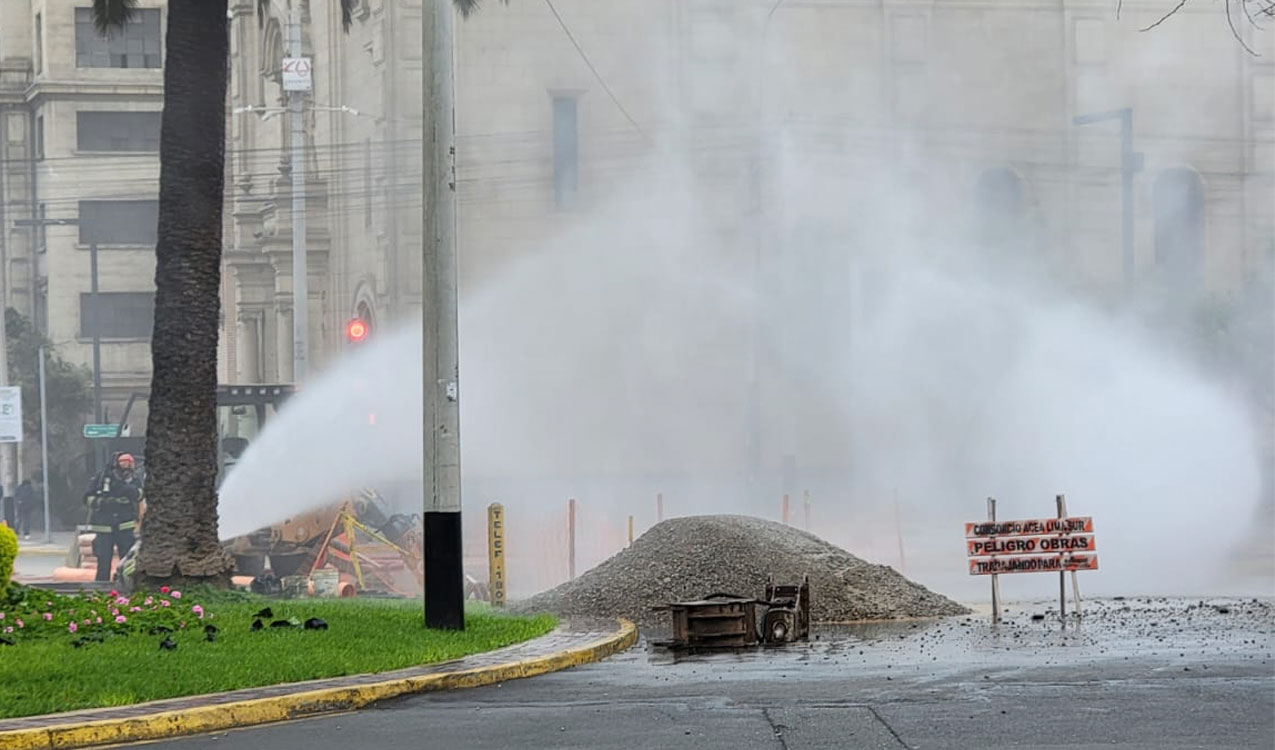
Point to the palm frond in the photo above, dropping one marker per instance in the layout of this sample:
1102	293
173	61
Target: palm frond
111	15
467	7
347	14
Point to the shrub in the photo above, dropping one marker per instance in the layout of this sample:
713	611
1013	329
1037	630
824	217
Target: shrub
8	553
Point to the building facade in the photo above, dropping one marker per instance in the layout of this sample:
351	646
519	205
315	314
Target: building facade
781	118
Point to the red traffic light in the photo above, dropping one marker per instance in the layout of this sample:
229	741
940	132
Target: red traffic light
356	330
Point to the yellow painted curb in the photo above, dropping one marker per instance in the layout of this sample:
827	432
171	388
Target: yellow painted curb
201	719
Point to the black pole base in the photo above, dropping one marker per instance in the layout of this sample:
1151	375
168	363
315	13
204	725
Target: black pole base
444	572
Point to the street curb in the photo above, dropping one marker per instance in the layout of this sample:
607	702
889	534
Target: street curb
41	552
307	703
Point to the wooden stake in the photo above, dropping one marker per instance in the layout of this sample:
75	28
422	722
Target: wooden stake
785	510
571	539
805	499
996	584
1062	578
1075	581
898	532
659	507
630	529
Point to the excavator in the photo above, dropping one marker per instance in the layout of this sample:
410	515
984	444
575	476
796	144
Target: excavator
372	548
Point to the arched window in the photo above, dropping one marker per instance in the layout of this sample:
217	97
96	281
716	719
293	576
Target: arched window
998	206
1178	202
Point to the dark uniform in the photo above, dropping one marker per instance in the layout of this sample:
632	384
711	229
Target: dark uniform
113	498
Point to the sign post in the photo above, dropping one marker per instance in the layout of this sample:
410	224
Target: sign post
1050	545
996	584
11	414
496	553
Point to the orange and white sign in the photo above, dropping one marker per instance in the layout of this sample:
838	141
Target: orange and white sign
1033	527
1032	564
1027	545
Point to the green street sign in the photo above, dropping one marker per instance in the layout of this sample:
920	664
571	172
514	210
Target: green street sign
101	431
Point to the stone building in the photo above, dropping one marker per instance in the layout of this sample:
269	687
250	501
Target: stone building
782	114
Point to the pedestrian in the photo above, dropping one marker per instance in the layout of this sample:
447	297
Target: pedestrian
25	497
113	498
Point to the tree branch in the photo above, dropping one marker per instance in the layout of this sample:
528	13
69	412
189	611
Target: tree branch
1166	16
1236	32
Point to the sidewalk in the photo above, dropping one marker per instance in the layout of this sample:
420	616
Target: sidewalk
36	545
574	642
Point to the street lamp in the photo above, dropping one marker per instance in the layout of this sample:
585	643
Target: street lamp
300	263
1130	163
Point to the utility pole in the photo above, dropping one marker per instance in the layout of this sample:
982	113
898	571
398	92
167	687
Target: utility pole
300	264
8	451
44	450
1130	164
444	566
98	461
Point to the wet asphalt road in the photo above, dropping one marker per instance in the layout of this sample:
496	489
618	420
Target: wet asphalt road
1149	673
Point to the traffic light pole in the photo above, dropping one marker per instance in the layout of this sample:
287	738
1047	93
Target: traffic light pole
444	569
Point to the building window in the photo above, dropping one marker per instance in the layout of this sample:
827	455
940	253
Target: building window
136	45
119	222
42	231
39	44
999	206
367	183
1178	200
39	137
566	150
119	315
117	131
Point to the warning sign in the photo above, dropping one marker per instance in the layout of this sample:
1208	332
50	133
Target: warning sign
1032	564
1034	527
1025	545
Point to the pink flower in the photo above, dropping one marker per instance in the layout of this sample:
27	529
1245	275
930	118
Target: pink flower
8	629
164	589
134	609
48	616
114	611
121	619
1	615
114	592
91	612
21	624
72	628
87	622
149	601
165	602
99	621
121	600
177	594
198	610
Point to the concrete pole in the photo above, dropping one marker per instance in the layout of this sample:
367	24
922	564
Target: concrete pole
300	266
44	450
444	566
98	458
8	451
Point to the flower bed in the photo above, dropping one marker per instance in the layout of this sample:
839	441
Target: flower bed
30	614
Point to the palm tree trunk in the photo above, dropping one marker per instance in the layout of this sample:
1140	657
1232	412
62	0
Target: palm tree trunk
180	540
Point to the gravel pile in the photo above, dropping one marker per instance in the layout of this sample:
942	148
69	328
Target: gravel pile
685	559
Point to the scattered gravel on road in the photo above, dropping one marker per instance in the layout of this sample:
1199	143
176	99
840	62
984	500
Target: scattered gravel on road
684	559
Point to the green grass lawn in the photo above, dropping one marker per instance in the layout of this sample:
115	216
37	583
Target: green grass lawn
47	674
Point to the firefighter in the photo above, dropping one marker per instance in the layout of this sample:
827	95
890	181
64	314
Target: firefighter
113	498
